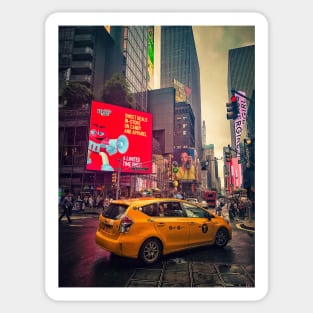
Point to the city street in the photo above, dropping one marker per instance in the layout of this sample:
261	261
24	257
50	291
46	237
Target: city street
83	264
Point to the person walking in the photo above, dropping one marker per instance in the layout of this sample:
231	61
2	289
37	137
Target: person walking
218	208
232	211
67	207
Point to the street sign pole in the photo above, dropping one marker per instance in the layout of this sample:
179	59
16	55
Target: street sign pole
118	179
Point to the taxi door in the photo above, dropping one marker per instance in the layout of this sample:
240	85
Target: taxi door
173	227
201	229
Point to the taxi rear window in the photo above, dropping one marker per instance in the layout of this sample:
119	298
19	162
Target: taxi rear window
115	211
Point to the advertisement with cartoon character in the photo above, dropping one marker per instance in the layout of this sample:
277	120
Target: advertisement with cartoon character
119	138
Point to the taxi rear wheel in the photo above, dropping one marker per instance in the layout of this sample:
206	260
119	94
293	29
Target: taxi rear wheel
150	251
221	238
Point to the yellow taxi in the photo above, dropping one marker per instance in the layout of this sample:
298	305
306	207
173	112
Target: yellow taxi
147	228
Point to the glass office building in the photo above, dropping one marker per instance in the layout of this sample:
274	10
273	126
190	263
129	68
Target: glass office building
179	61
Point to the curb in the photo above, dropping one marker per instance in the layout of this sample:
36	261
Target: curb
245	227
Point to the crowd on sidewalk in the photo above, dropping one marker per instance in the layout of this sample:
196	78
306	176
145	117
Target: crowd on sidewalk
234	209
70	203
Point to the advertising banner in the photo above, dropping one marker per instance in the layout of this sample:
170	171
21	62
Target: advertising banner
236	175
151	57
182	91
241	119
119	138
184	165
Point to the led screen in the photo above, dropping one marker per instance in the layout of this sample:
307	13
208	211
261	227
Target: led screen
119	138
184	162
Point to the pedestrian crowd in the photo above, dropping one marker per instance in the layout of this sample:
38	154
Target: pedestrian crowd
233	209
69	202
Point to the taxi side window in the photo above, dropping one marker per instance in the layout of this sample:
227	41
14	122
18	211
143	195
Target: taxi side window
173	209
193	211
151	210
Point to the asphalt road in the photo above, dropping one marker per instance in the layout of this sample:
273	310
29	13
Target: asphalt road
84	264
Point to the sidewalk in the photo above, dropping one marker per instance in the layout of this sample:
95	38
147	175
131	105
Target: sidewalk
247	225
243	224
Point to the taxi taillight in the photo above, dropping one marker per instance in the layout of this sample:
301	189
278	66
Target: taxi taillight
126	223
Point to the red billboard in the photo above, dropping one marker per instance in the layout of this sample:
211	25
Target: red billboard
119	138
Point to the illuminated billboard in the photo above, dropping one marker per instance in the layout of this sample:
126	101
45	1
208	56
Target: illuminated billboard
182	92
184	164
151	57
119	138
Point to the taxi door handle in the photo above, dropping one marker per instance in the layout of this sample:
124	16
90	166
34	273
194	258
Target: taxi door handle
161	224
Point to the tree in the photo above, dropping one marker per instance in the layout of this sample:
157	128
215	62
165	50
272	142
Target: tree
116	91
76	95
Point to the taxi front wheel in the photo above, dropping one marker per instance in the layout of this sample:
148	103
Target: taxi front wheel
150	251
221	238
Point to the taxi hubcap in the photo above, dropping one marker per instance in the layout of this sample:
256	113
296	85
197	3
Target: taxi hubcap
151	251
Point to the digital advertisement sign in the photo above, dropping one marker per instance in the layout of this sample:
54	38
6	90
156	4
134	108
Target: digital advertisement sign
184	166
119	138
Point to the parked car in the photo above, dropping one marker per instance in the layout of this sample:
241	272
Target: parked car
148	228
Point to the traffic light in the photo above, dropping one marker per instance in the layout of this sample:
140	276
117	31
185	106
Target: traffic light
234	105
113	177
229	109
232	108
175	167
227	156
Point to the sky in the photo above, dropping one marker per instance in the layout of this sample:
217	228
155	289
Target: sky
213	44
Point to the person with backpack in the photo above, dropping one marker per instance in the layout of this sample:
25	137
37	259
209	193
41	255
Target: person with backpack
67	208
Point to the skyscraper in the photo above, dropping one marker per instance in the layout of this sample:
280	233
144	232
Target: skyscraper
241	69
179	61
133	44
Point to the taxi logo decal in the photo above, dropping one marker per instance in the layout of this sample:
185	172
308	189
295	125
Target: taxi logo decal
204	228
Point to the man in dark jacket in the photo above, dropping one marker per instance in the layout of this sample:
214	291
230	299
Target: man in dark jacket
67	208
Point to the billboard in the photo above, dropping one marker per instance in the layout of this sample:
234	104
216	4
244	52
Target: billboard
240	120
182	92
119	138
184	164
236	175
151	56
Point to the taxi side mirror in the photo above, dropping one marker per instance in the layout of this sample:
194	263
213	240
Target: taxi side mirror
210	216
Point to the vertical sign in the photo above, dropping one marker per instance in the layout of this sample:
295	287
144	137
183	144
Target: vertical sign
240	120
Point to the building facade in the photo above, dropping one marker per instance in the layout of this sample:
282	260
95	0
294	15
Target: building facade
179	62
241	78
90	55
